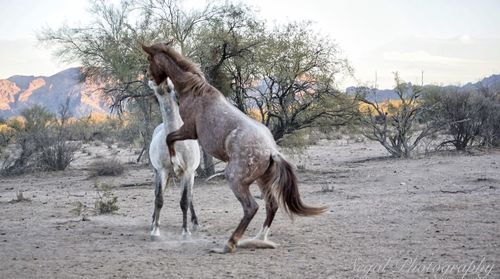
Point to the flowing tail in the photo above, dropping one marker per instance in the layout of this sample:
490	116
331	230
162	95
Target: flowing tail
281	177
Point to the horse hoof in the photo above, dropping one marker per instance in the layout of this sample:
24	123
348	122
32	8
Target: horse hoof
186	234
155	234
155	237
257	243
226	249
196	227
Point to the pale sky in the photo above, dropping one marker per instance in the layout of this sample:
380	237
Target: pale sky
452	41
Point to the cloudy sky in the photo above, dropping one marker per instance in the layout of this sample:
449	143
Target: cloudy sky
451	41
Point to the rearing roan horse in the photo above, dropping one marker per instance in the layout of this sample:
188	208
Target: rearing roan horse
229	135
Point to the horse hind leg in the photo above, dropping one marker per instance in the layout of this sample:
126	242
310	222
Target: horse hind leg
261	240
250	207
194	218
186	202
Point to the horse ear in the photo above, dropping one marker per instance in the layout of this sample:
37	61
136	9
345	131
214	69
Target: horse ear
147	49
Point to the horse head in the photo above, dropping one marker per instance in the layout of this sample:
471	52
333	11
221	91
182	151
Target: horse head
156	70
165	62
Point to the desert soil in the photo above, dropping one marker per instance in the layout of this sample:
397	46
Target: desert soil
433	216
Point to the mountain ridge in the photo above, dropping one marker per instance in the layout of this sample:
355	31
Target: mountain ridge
380	95
85	97
19	92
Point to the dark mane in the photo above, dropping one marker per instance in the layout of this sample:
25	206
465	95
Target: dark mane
179	59
165	62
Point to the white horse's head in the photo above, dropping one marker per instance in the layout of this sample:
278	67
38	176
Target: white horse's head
165	92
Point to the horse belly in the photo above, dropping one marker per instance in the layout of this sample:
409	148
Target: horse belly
213	146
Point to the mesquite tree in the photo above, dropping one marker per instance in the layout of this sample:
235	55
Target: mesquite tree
398	127
284	76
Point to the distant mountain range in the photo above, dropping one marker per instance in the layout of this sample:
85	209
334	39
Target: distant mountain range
381	95
20	92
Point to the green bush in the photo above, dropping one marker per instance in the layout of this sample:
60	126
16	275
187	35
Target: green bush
42	142
106	202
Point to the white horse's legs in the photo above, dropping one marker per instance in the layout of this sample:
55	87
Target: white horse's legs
194	218
161	179
187	182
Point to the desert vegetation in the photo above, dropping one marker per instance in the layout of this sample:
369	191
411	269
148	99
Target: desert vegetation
282	75
41	141
463	116
358	153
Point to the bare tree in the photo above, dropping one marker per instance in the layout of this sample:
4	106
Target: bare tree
470	115
296	86
109	50
286	76
400	127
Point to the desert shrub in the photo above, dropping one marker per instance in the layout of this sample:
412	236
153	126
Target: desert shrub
107	205
79	209
398	125
97	127
6	134
110	167
42	142
490	132
57	155
469	115
106	202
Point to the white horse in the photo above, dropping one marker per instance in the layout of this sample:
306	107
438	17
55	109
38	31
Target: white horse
188	159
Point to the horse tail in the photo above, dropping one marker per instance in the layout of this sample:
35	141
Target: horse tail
280	175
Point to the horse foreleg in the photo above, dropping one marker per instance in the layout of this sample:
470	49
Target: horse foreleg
161	178
184	133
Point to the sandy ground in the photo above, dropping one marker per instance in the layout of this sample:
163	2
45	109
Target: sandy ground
430	217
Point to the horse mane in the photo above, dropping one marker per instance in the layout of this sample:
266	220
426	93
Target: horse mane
180	69
194	81
180	60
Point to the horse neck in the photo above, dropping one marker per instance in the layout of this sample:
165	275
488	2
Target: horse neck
169	113
184	81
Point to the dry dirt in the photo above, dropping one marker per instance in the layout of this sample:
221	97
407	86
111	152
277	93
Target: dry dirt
430	217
